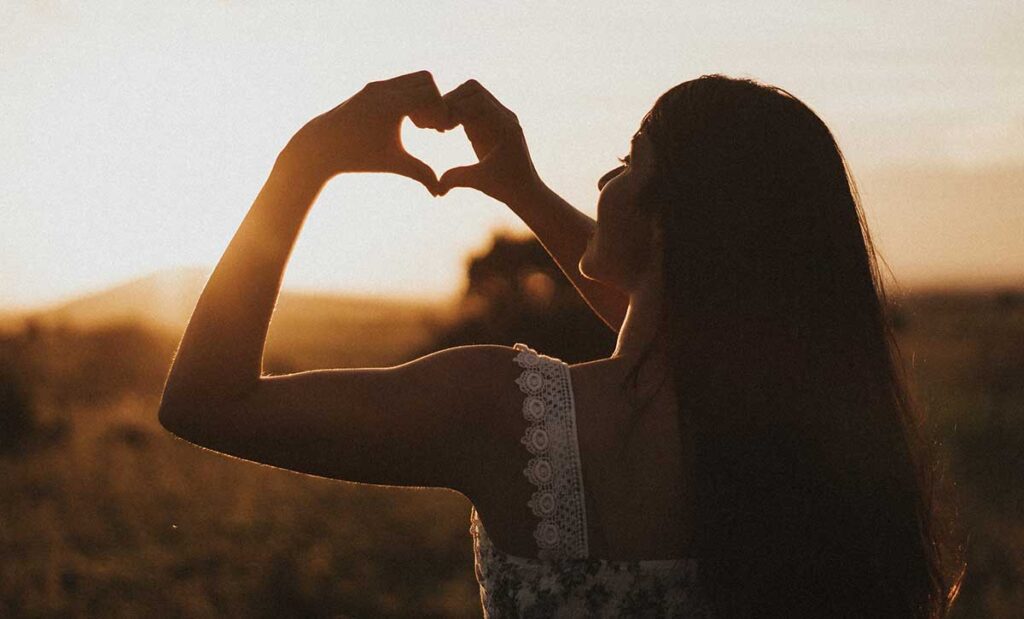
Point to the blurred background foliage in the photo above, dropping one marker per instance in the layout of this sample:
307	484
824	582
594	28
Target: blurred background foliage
516	293
105	514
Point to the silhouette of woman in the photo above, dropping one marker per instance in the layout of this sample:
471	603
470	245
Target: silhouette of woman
748	449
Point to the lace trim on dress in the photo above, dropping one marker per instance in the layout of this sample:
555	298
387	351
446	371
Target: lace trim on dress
555	467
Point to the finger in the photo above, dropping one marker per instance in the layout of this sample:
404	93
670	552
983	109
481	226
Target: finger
417	88
473	88
448	121
459	106
409	79
463	176
428	111
410	98
470	106
478	113
499	106
480	104
464	89
415	169
423	104
456	98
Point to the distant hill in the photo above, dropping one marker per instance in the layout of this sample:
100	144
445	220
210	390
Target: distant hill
164	300
308	330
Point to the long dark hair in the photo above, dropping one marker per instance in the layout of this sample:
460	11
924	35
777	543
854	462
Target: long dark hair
813	480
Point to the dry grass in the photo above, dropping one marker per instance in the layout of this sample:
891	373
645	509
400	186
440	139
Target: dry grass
105	514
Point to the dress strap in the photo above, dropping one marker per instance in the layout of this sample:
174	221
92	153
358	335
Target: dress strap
555	466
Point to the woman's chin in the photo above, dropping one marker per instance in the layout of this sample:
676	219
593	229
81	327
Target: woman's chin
592	272
585	266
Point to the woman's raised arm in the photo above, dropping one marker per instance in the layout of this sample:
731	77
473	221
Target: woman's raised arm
564	232
421	423
506	173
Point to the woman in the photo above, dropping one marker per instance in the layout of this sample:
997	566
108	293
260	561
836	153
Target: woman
747	449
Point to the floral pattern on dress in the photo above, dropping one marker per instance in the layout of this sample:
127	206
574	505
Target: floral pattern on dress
513	586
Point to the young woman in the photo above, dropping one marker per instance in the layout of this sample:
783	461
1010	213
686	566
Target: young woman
748	449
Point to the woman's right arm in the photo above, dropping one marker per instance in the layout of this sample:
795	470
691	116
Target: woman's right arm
506	173
564	232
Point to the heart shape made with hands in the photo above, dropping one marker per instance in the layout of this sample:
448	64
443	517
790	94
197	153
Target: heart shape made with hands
440	151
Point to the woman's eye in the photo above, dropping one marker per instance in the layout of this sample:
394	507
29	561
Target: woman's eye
624	160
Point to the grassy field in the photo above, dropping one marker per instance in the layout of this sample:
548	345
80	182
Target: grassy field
965	356
105	514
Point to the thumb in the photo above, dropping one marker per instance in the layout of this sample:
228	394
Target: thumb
462	176
415	169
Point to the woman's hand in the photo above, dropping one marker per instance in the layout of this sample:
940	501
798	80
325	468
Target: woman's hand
363	134
505	171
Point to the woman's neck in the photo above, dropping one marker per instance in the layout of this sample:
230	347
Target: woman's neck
642	327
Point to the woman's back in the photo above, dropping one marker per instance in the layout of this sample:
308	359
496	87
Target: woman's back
639	491
579	519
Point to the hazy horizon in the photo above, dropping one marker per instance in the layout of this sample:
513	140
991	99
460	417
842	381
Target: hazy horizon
137	135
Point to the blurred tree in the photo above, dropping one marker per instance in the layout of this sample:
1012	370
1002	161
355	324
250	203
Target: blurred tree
516	293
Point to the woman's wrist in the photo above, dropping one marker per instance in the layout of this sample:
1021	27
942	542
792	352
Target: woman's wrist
298	170
527	196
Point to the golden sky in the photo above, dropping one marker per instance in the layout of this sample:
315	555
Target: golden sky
136	135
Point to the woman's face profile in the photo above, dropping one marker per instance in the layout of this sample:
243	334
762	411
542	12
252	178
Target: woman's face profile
618	251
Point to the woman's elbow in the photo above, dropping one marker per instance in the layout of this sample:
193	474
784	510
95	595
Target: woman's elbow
173	416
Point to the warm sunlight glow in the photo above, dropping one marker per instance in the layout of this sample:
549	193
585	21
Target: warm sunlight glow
135	136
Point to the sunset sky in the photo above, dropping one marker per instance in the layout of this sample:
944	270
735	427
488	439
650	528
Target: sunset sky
134	136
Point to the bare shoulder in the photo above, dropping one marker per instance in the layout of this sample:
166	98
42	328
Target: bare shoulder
470	357
604	410
599	380
479	373
598	395
479	378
